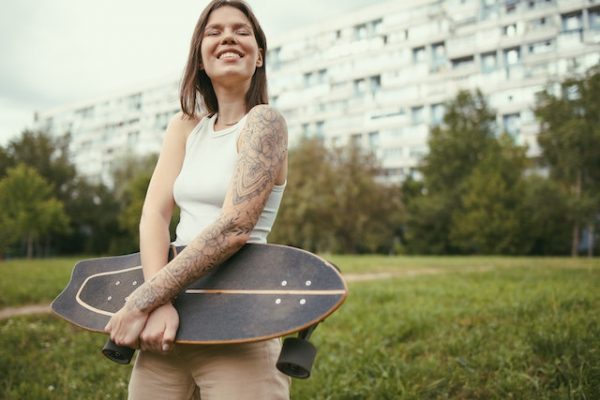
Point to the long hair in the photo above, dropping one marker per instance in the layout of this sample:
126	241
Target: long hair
195	81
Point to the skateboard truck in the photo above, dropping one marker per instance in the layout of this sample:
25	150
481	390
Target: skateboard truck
116	353
298	354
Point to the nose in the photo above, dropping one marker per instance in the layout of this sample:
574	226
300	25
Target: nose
228	37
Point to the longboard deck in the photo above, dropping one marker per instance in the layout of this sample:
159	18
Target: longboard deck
263	291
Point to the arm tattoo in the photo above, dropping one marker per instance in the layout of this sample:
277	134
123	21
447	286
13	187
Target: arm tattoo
263	151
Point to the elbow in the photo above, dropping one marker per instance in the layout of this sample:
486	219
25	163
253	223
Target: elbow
236	231
241	240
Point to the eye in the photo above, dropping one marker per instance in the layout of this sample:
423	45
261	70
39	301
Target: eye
243	32
211	32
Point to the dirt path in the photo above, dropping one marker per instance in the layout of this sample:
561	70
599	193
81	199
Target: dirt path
24	310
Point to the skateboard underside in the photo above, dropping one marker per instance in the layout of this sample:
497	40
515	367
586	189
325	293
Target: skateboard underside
263	291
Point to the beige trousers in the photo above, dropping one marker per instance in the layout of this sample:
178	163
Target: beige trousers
212	372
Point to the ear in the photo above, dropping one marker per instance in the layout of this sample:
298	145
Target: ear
259	60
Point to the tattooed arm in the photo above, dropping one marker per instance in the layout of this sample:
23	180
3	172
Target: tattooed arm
262	156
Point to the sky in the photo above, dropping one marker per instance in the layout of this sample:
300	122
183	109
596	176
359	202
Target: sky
58	52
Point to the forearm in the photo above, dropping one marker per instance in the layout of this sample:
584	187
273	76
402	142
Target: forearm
154	243
214	245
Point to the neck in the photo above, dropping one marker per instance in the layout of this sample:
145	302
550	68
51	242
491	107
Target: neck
232	104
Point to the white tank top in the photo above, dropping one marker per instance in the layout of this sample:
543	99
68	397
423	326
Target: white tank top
200	188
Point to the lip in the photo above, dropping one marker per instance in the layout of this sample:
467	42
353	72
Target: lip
236	51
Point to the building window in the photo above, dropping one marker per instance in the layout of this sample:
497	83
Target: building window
541	47
512	124
594	18
512	56
572	22
437	114
305	130
438	54
360	86
489	62
510	6
373	139
463	62
509	30
417	115
320	129
419	54
360	32
356	139
375	83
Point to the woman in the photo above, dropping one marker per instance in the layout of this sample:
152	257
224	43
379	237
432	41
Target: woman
226	172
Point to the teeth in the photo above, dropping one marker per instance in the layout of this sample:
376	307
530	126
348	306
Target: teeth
229	55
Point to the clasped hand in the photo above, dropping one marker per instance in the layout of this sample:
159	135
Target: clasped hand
153	331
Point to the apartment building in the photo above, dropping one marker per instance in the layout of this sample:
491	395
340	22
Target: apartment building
378	77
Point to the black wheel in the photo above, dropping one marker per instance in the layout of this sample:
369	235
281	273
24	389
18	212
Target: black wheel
296	358
119	354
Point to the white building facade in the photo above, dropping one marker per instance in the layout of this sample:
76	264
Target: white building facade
378	77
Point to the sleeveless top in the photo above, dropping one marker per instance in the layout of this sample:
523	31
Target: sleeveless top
200	188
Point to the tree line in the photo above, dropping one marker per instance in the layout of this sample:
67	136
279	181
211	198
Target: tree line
475	192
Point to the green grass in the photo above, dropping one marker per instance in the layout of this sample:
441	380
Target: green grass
33	281
524	333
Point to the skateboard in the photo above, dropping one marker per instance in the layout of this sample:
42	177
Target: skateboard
263	291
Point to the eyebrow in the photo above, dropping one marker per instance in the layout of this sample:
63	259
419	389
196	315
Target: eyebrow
235	25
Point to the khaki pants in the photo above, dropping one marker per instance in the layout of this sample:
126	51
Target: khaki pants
215	372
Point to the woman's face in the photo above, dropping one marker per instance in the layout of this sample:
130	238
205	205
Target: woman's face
230	54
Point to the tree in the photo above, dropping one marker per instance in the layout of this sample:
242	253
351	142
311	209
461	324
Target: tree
544	211
93	210
455	150
26	200
131	178
49	156
489	219
366	212
334	203
570	141
304	218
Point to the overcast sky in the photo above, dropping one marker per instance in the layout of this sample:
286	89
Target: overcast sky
57	52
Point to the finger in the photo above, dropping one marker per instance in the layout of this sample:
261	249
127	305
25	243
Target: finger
108	326
169	337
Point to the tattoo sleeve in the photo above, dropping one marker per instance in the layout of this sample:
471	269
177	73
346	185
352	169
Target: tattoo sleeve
262	153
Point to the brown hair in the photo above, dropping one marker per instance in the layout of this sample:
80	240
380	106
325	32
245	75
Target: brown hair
195	81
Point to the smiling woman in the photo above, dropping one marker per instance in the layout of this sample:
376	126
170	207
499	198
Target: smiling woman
224	163
245	28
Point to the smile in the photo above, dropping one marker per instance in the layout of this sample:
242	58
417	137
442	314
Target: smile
229	55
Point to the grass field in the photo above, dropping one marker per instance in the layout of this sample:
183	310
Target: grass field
524	329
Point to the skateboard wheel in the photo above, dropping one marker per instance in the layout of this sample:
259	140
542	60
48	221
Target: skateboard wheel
119	354
296	357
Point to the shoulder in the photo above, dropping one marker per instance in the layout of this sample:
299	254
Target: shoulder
266	111
181	125
267	120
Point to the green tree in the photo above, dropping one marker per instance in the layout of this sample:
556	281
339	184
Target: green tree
131	178
544	211
334	203
366	212
93	210
49	156
570	141
455	150
27	201
304	219
489	219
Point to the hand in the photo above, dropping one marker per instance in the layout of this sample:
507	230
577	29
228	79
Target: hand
159	333
126	325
